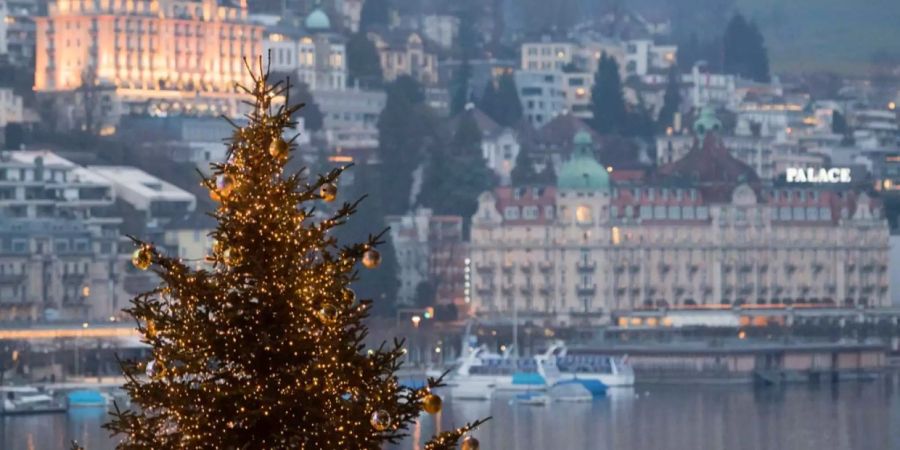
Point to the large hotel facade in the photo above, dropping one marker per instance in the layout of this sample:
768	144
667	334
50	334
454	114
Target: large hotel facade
158	55
704	230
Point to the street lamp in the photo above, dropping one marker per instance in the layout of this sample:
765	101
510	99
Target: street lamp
416	320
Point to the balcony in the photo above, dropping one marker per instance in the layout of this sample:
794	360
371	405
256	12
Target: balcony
507	267
545	266
526	290
485	289
546	290
526	267
586	266
507	290
485	267
586	289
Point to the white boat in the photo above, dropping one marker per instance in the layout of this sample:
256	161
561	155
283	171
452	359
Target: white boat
482	372
29	400
609	370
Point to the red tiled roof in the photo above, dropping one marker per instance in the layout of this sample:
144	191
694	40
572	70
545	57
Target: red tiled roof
712	169
527	196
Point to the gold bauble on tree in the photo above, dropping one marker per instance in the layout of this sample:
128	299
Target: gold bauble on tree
328	314
470	443
278	148
432	403
380	420
349	295
142	258
328	192
371	258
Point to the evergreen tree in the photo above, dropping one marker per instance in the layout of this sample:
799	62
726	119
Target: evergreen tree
374	13
456	174
460	86
671	100
508	107
405	127
607	101
363	62
368	182
839	123
265	349
744	50
487	103
467	138
639	121
524	173
311	114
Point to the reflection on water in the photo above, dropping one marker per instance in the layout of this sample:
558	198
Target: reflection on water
844	417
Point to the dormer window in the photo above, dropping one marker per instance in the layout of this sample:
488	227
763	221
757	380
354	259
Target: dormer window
511	213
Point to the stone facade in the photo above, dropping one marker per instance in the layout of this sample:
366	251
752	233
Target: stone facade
702	231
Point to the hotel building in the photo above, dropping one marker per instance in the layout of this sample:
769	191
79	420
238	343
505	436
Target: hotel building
703	230
160	56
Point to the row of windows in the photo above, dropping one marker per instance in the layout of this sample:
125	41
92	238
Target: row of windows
527	212
658	212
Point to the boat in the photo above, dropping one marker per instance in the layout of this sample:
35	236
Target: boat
481	373
592	370
29	400
87	398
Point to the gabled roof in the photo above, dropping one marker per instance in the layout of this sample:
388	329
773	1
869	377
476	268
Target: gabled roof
711	168
487	125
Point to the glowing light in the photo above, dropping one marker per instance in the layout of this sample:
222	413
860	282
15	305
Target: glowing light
892	106
416	320
85	291
742	334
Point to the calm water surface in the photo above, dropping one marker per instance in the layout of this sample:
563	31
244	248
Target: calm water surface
848	416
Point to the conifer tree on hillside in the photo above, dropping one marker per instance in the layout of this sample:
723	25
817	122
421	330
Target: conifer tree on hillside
607	101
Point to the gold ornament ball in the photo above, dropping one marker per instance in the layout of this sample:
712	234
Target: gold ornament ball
432	404
278	148
349	295
380	420
470	443
328	314
142	258
328	191
371	258
232	256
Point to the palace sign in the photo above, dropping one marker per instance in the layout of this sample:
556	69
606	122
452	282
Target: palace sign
812	175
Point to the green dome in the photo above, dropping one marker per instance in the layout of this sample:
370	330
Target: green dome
318	20
583	171
707	121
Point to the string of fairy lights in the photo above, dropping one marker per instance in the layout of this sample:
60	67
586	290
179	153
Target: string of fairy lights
265	348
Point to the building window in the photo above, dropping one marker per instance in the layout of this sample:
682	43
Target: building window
703	213
675	212
530	212
687	212
548	212
583	214
646	212
511	213
616	236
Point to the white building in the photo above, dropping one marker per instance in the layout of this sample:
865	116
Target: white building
314	54
11	108
542	93
59	241
643	56
350	116
440	29
159	200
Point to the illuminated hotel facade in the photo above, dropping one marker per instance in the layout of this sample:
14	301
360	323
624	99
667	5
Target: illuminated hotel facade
160	56
704	230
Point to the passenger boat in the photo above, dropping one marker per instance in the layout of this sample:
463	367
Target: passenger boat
482	372
606	370
29	400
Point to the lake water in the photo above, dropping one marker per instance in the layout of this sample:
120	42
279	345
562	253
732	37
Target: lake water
849	416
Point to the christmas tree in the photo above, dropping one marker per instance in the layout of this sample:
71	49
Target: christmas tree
264	350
